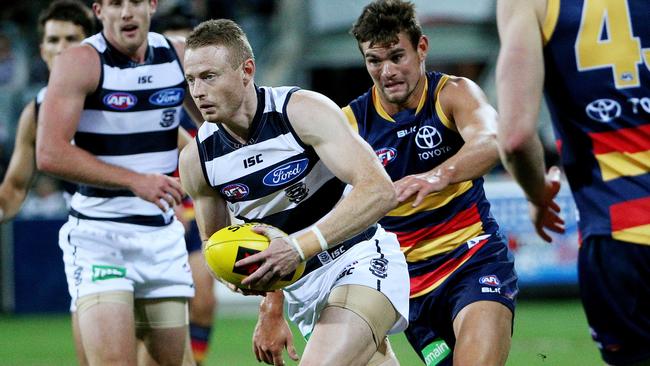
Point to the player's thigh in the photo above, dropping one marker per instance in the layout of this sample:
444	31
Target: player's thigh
162	326
107	327
483	334
352	326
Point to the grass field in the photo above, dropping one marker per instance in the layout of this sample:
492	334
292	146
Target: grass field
546	333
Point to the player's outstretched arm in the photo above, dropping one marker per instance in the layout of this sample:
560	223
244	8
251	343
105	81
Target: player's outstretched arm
520	82
468	111
22	166
75	74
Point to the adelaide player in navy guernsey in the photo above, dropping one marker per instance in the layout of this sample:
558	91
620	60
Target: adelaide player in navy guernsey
592	60
118	95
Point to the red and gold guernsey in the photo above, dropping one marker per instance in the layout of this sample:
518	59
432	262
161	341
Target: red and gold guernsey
413	142
597	57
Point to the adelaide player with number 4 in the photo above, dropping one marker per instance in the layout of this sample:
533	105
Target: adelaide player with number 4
592	60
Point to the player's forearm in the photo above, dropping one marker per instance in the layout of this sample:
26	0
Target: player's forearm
272	304
11	199
74	164
366	203
527	167
475	159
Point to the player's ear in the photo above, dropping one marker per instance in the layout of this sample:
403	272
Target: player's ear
423	47
248	70
153	5
97	9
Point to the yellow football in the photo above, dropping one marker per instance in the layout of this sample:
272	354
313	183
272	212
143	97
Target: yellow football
235	242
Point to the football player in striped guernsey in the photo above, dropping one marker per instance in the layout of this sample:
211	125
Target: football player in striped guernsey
62	24
591	58
118	95
283	156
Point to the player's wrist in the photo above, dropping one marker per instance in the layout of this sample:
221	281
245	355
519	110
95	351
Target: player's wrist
308	243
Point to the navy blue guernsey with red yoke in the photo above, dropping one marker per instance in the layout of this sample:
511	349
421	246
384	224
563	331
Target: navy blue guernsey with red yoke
597	58
412	142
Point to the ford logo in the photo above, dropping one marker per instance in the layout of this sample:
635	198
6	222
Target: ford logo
285	173
386	155
235	192
120	100
167	97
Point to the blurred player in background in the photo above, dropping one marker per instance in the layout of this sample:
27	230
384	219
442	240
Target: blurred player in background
592	59
63	24
119	96
280	156
203	305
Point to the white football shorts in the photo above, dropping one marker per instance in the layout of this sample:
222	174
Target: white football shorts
150	261
376	263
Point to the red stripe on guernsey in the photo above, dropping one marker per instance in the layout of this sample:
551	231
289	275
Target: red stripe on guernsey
431	280
461	220
629	140
630	214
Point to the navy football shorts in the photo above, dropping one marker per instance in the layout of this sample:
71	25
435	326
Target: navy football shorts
615	290
489	274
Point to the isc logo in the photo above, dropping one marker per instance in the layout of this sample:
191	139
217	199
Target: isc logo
120	100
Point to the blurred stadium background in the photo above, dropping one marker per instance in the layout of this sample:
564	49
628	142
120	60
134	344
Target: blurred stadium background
302	43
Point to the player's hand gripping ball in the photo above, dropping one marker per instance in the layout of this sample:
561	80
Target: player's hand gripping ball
235	242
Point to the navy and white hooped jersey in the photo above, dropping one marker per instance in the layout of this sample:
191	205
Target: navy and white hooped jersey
274	178
131	121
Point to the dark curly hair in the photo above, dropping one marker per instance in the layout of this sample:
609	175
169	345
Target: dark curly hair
382	20
72	11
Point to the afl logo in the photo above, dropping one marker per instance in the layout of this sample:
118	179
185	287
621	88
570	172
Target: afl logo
428	137
490	280
167	97
603	110
285	173
386	155
120	100
235	192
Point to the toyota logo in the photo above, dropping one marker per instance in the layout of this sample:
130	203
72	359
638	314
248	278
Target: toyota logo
428	137
603	110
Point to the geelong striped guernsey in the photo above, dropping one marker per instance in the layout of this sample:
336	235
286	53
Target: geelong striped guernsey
274	178
597	56
131	121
